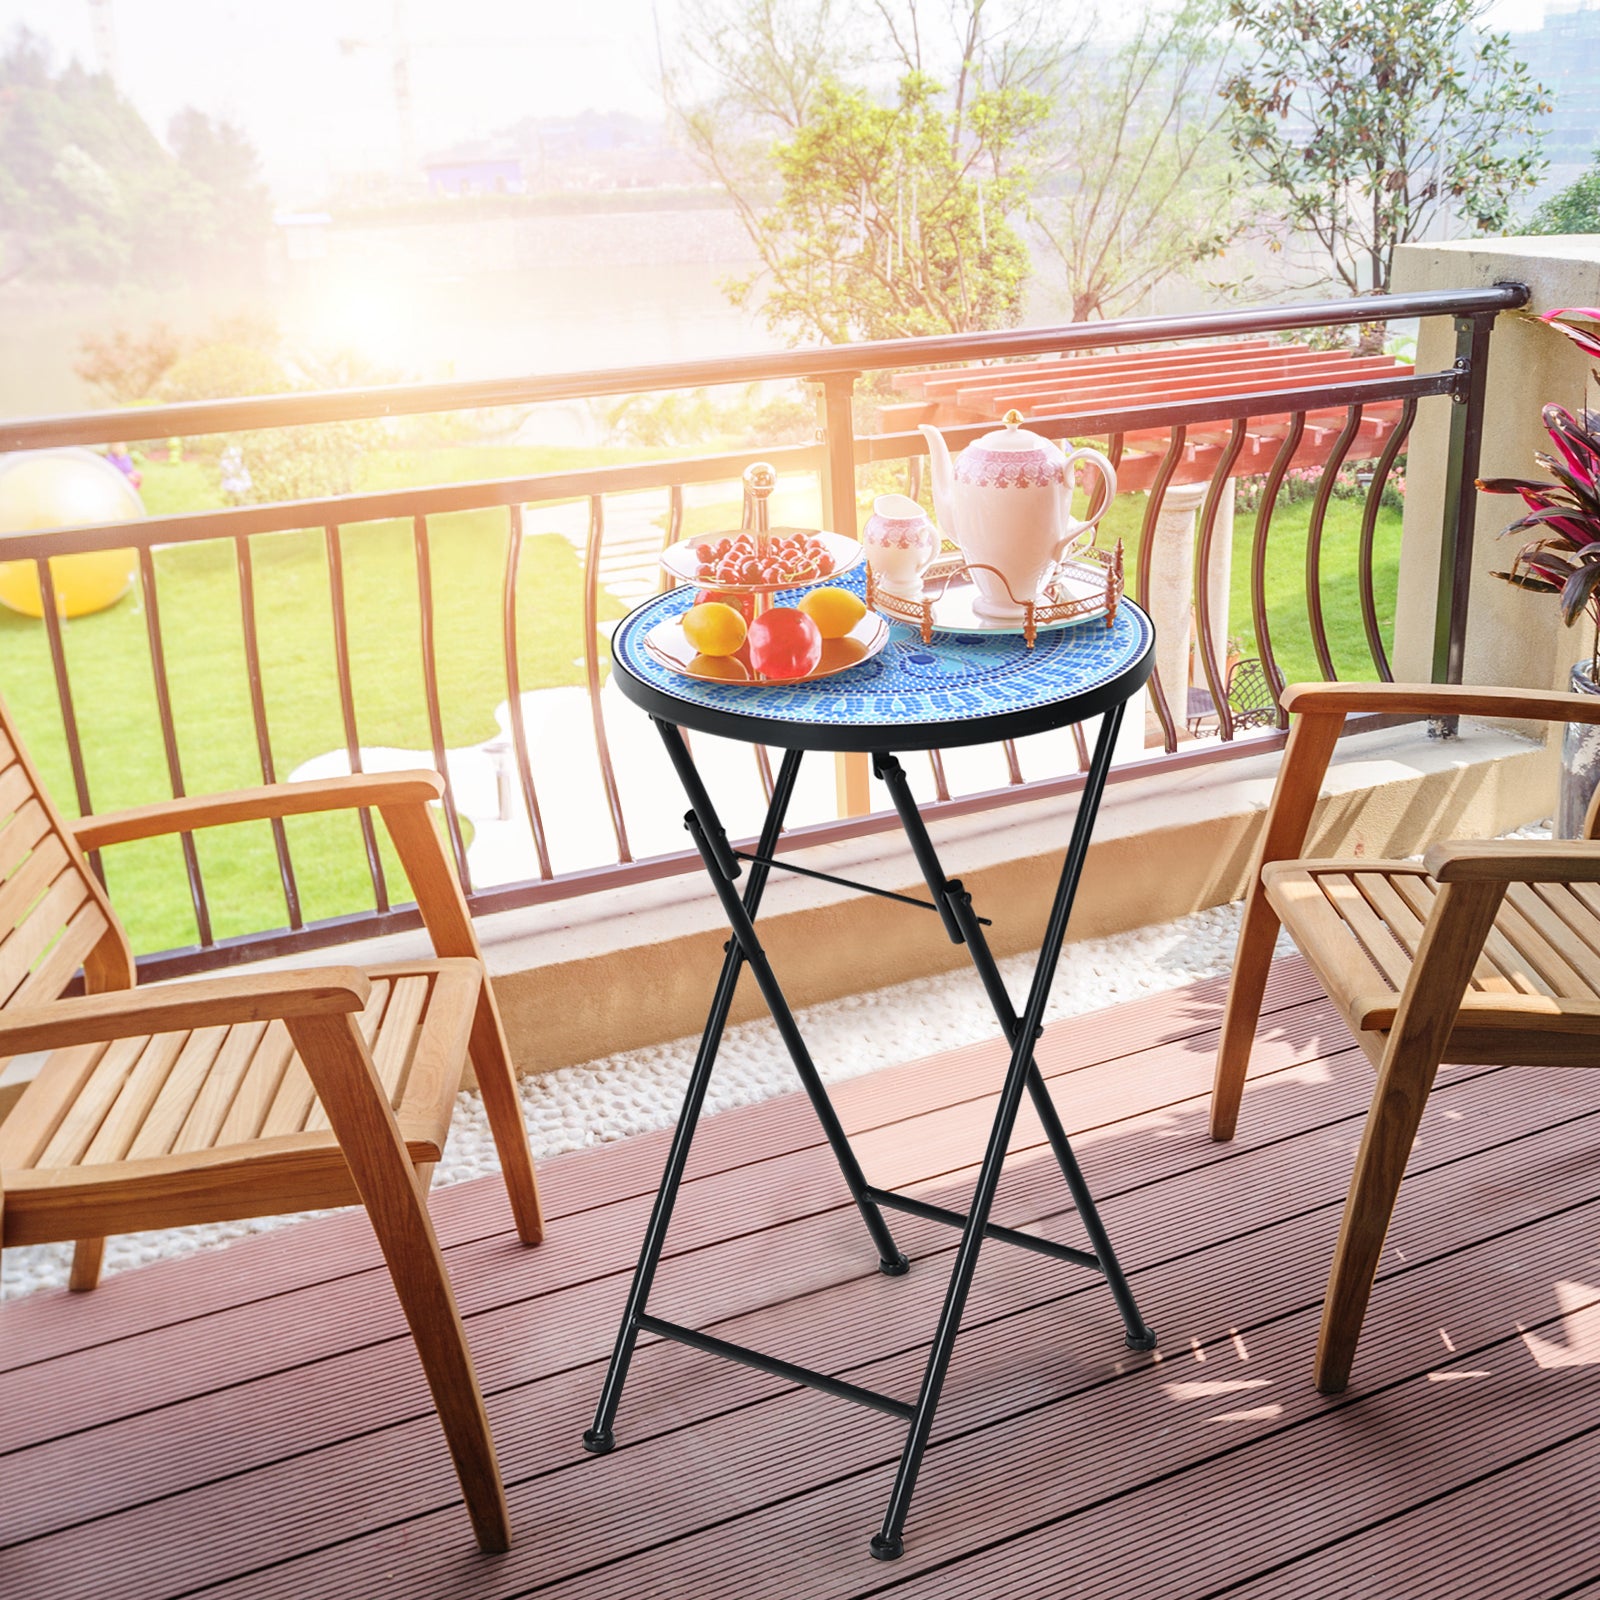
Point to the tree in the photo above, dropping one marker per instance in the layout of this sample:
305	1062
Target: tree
1377	121
885	228
1142	186
1576	209
127	368
880	159
222	163
88	193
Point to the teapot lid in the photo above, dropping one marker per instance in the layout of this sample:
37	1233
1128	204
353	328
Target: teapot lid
1013	436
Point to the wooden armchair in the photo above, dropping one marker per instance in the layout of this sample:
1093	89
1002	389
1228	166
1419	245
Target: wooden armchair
249	1096
1484	952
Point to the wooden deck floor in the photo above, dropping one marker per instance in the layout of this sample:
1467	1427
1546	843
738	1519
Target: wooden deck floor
252	1423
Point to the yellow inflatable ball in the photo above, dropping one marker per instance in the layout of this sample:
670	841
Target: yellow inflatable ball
65	489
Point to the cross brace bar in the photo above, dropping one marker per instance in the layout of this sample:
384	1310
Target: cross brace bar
890	1201
745	1356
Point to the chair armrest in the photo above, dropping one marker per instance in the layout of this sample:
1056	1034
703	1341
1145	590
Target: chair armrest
1440	700
1514	861
168	1008
254	805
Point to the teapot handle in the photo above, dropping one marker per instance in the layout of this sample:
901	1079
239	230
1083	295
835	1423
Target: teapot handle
1075	529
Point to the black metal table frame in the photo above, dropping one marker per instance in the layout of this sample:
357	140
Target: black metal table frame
964	926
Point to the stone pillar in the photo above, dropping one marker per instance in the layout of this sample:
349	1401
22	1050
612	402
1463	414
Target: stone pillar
1172	599
1514	638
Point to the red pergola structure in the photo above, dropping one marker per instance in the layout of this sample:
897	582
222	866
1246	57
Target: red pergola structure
965	396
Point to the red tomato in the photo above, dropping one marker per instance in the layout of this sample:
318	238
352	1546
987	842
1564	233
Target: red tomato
784	643
744	604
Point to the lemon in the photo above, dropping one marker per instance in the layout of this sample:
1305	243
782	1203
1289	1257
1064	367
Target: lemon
713	628
835	611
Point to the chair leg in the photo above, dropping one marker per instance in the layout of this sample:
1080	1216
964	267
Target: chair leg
497	1081
358	1110
1258	935
88	1255
1397	1106
1451	943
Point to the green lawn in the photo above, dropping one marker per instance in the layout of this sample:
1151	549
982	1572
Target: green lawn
114	691
1285	581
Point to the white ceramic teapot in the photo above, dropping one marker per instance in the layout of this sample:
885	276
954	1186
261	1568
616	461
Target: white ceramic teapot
1007	501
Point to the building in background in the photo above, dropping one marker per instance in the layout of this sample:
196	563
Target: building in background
1564	55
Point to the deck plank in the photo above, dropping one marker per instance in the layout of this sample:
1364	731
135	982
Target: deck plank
573	1321
48	1325
310	1459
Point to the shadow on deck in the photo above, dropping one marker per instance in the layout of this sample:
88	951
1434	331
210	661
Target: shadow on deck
254	1423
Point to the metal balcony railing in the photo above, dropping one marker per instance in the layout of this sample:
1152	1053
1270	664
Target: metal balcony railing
1267	426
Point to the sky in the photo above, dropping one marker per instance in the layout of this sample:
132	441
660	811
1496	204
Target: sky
312	81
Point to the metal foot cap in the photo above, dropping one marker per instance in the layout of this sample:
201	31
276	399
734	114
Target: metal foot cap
597	1443
889	1548
1145	1340
896	1266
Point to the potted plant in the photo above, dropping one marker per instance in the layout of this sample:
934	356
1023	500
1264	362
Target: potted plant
1563	558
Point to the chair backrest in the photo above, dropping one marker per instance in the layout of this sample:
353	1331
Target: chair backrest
54	916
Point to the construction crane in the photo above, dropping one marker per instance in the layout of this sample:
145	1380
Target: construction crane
103	28
400	45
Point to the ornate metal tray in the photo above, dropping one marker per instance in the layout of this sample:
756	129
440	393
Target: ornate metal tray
1085	589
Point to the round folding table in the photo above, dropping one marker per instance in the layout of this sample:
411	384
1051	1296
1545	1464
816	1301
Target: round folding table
953	690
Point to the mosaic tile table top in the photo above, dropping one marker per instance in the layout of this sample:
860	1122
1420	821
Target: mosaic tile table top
957	689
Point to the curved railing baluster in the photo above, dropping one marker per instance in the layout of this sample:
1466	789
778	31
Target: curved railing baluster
519	724
169	738
333	549
69	711
1216	677
1369	523
430	689
1147	539
941	788
1258	561
1319	510
591	668
258	715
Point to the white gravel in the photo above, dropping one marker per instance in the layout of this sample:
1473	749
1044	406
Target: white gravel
636	1091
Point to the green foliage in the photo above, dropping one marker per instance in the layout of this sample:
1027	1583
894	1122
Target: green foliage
889	225
88	193
700	420
1576	209
1374	119
220	369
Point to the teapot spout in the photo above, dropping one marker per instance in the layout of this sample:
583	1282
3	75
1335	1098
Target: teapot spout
943	475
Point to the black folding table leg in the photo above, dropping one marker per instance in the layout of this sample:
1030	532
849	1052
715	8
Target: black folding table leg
889	1541
706	831
965	926
599	1437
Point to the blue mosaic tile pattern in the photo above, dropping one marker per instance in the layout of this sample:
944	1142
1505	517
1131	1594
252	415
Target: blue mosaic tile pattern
956	678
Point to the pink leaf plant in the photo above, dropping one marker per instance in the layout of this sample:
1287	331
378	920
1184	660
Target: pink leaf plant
1563	558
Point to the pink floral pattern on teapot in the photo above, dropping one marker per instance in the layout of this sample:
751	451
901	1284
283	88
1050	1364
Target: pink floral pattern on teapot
1010	469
